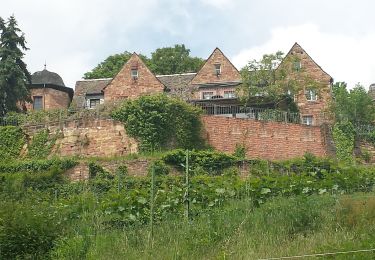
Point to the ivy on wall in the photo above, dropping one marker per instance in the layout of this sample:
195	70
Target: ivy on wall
160	122
41	144
11	141
343	136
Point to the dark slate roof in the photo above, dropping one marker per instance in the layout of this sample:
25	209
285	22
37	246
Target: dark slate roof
176	80
47	77
219	84
91	86
177	84
88	87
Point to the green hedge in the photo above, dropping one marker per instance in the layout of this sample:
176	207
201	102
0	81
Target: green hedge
11	141
36	165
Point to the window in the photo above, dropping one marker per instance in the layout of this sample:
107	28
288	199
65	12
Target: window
38	103
297	65
217	69
94	102
134	74
311	95
207	95
307	120
229	94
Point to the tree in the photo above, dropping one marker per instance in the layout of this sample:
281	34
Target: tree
14	76
273	79
355	105
111	66
172	60
169	60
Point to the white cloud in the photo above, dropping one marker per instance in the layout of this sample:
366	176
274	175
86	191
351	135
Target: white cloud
345	58
220	4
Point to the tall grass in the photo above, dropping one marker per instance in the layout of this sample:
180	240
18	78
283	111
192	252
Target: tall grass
281	227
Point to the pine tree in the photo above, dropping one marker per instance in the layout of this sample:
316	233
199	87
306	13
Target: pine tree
14	76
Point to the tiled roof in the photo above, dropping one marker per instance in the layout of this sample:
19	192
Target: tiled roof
47	77
89	87
177	84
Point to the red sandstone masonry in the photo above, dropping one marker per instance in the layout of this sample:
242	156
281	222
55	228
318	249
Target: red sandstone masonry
264	140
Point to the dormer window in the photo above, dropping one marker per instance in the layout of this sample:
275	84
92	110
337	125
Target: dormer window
217	69
134	73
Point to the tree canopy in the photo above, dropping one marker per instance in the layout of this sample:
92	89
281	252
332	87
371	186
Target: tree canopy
273	78
354	105
172	60
14	76
168	60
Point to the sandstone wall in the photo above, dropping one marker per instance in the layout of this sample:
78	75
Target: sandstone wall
90	137
264	140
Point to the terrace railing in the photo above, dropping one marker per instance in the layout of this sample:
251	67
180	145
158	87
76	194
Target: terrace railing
261	114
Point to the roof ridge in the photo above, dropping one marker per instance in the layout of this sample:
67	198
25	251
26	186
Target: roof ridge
83	80
177	74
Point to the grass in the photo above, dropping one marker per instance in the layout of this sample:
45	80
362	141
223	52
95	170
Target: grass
281	227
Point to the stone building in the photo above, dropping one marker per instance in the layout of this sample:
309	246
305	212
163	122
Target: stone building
217	79
48	91
371	91
313	100
214	83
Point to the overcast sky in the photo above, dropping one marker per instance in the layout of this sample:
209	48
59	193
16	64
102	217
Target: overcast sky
73	36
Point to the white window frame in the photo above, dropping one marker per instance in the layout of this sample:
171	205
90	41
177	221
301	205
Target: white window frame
217	69
229	94
311	95
134	73
307	120
297	65
209	93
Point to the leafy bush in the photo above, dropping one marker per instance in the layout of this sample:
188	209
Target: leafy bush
343	136
36	165
11	141
27	231
159	122
160	168
211	161
41	144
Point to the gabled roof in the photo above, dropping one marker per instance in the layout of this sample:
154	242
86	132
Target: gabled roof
295	46
136	56
216	51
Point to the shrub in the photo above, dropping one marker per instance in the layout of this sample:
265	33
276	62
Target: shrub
211	161
343	136
27	230
160	168
41	144
11	141
159	122
34	166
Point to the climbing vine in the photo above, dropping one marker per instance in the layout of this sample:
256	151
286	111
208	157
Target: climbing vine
160	122
11	141
343	136
41	144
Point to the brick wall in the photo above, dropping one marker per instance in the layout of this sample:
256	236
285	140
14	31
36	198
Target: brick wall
104	137
264	140
123	86
52	98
